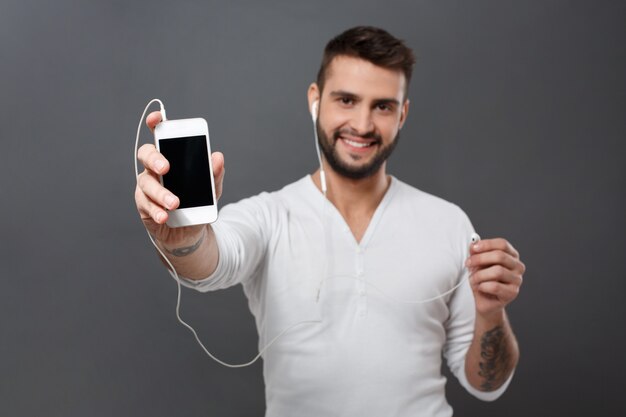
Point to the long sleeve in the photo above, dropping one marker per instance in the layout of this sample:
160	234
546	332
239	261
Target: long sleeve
241	237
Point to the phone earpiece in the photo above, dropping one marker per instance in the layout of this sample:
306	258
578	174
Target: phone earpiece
314	110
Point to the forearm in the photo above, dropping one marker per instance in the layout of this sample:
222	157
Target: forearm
196	258
493	354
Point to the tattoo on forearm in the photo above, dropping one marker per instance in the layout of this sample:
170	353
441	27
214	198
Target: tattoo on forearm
495	358
186	250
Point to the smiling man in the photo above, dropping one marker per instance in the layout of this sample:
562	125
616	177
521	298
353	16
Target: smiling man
347	270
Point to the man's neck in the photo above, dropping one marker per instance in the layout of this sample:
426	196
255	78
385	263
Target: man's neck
356	200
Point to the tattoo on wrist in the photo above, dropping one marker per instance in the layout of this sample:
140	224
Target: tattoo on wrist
187	250
495	358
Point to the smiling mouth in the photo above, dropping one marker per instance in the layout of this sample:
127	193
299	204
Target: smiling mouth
356	144
359	144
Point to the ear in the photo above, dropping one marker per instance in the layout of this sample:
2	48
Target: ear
404	113
313	95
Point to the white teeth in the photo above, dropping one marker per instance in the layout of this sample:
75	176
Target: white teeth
357	144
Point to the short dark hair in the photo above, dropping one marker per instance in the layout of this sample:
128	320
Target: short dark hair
370	44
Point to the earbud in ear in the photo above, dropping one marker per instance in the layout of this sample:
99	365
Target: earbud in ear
314	110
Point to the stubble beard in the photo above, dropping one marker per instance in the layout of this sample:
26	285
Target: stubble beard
329	149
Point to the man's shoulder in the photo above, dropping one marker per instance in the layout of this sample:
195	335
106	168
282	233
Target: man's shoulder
296	192
429	210
411	195
299	187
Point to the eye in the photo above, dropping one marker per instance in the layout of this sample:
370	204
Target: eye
384	107
346	101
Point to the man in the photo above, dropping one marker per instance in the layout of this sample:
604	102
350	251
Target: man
353	263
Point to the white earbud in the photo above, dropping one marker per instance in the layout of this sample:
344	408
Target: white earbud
314	110
475	237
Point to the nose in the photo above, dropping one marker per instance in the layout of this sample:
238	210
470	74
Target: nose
362	121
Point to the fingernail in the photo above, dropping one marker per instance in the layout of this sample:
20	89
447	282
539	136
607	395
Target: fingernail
477	246
468	262
159	164
169	201
159	217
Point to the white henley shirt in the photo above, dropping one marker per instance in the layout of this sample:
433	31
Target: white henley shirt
369	353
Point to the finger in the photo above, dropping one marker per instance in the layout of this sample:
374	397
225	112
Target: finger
217	159
487	245
148	210
494	257
503	292
153	119
152	159
154	191
496	273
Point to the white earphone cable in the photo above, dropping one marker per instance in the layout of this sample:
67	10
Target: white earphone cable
177	278
326	226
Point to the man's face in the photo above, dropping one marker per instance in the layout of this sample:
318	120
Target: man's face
361	111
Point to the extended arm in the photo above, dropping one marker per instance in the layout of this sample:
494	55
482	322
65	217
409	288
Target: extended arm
192	250
194	260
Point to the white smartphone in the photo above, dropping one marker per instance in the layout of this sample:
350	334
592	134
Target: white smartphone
185	144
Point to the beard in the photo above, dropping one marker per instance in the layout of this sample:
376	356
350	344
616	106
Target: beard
329	149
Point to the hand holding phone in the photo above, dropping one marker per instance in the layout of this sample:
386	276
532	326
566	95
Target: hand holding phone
185	144
156	203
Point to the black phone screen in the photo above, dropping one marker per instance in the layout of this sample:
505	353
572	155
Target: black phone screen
189	177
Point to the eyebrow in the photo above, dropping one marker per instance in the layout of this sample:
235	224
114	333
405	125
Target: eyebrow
342	93
347	94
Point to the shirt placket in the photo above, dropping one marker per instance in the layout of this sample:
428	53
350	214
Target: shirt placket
360	281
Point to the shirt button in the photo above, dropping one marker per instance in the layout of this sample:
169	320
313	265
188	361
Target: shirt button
359	250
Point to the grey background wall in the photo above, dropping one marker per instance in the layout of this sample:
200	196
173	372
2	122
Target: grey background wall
517	115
